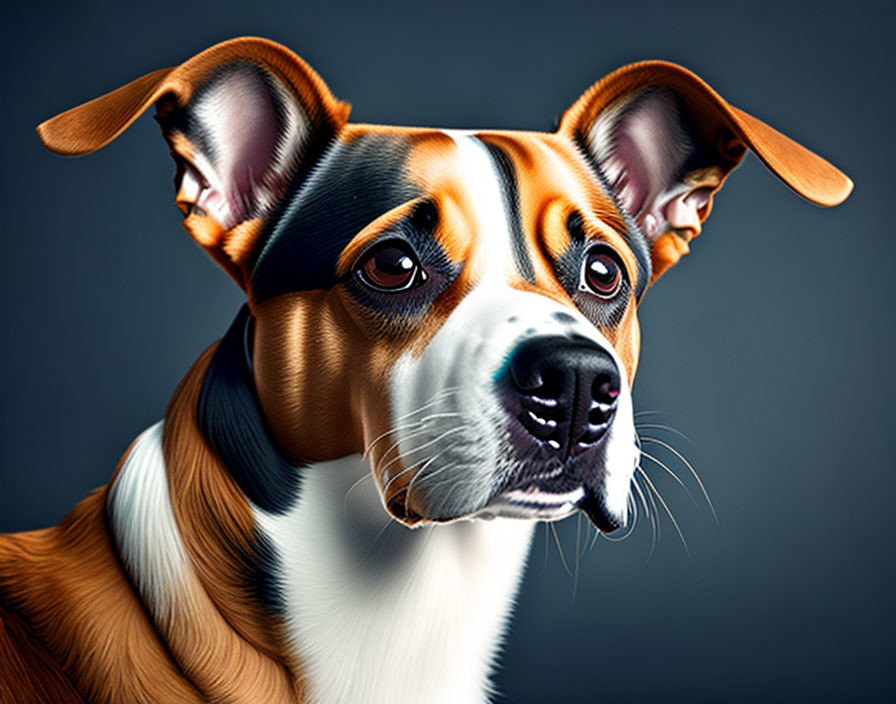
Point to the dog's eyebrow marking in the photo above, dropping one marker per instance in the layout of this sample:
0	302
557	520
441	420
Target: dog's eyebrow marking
508	177
355	183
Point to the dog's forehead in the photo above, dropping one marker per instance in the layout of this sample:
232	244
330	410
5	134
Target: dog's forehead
514	188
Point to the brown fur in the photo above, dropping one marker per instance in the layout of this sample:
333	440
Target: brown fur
73	624
69	598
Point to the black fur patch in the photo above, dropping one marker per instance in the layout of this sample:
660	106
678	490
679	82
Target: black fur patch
394	313
230	418
262	582
353	184
507	173
184	119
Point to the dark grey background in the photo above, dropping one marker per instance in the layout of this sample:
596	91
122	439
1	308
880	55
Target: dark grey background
771	345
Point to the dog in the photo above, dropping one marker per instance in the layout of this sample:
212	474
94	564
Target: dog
440	334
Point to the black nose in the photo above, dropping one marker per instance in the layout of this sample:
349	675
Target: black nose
564	391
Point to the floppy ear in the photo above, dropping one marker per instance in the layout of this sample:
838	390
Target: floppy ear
663	141
243	120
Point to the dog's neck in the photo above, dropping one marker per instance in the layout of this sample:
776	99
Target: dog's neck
413	615
326	599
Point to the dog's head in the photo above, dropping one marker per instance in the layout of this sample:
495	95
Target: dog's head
462	306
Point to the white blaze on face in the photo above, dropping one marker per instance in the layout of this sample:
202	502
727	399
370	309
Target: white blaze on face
484	187
451	426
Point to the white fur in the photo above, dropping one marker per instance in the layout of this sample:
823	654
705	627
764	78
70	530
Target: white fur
450	426
487	195
144	527
377	612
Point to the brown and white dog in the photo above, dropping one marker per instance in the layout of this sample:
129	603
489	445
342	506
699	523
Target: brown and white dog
448	315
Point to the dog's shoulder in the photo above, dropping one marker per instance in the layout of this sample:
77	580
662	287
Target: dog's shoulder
28	673
70	616
32	565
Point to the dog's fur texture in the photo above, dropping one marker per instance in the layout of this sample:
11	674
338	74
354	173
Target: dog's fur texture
440	333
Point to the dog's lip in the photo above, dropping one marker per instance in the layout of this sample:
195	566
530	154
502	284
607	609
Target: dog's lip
536	497
552	495
534	503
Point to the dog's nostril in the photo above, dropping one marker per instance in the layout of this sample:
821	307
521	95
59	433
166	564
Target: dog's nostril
602	407
552	385
600	413
544	384
604	390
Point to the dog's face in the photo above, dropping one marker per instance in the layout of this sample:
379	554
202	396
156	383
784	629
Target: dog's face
476	333
459	305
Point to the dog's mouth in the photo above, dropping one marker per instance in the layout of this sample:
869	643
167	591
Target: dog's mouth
551	496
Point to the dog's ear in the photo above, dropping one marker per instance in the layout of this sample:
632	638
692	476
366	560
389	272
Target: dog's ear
243	120
663	141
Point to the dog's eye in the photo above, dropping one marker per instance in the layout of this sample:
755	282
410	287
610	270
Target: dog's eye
601	273
390	266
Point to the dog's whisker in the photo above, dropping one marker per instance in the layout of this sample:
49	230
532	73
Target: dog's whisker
454	465
560	548
547	539
456	485
436	398
394	447
376	539
594	538
410	468
661	426
366	475
428	443
637	488
647	413
651	514
419	466
420	428
407	426
693	473
631	528
667	509
665	467
391	431
584	546
575	579
410	487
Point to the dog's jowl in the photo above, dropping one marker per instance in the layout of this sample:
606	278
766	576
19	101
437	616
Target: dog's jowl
436	351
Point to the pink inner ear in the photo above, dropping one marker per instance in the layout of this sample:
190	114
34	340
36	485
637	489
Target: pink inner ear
682	211
242	123
648	148
244	144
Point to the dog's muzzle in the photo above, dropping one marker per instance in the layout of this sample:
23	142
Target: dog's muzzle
561	395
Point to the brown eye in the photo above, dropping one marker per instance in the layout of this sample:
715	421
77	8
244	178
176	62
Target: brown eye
390	266
601	274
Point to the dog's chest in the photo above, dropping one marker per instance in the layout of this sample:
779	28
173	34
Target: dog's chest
377	612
